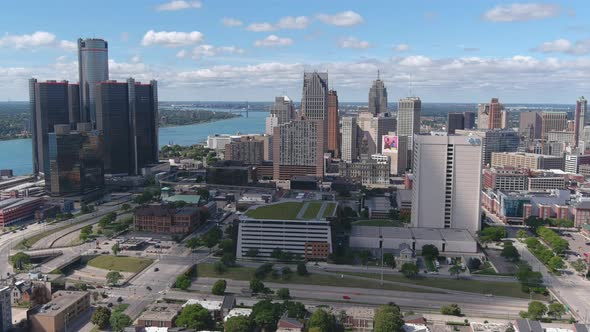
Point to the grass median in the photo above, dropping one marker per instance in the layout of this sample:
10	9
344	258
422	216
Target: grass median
30	241
120	263
247	273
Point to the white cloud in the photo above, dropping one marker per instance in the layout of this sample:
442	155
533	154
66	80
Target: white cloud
518	12
565	46
35	40
292	22
260	27
273	41
208	51
231	22
352	42
171	38
401	47
343	19
136	59
175	5
415	61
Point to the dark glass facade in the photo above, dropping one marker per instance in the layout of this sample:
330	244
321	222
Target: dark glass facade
143	102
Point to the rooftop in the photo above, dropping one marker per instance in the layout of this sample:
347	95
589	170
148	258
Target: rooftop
293	210
61	301
211	305
238	312
161	312
190	199
431	234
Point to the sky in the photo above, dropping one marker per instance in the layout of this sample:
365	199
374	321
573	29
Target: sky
254	50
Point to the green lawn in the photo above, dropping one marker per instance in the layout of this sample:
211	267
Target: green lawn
511	289
120	263
378	222
30	241
313	208
120	307
284	211
247	273
329	210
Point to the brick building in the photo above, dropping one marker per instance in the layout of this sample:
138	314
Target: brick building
163	218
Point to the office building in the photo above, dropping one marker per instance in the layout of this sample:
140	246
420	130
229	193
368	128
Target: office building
468	120
455	121
567	138
372	128
483	116
573	161
271	122
16	209
5	309
58	315
281	111
230	173
396	148
546	180
372	173
581	118
295	232
349	136
447	182
49	104
489	115
74	104
526	160
530	125
314	98
408	117
159	315
494	141
75	160
248	150
552	121
165	219
505	119
112	118
333	124
378	97
515	207
505	178
298	149
93	67
143	112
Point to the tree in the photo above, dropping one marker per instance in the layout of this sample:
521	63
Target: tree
19	260
116	249
451	309
455	270
212	237
219	287
194	316
125	207
389	260
322	320
252	252
119	321
193	243
556	310
295	309
510	253
301	269
283	294
227	245
580	265
409	270
237	324
555	263
266	314
182	282
40	295
364	256
256	286
388	318
113	277
522	234
536	310
101	317
429	251
491	234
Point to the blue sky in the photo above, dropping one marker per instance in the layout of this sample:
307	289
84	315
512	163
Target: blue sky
453	51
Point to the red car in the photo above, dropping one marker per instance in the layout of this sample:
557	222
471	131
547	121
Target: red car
346	297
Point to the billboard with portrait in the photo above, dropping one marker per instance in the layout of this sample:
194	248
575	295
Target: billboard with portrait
389	143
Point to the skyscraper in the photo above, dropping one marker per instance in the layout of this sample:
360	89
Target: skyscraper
468	120
49	106
333	124
552	121
455	121
483	116
349	139
74	104
314	99
283	109
530	125
580	119
372	130
378	97
408	121
504	119
495	121
447	182
298	149
112	118
494	141
93	67
143	103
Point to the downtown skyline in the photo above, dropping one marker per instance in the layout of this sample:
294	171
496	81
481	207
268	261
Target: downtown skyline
227	51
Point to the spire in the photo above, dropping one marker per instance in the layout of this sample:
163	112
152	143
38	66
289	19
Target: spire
378	75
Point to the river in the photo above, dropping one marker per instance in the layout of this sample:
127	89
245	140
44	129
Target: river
17	154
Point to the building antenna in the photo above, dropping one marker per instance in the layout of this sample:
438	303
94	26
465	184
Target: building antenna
410	85
378	75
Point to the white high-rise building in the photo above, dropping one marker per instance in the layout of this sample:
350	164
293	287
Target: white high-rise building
93	67
349	136
447	182
409	111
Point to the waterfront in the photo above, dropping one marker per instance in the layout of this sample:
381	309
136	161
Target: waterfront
17	154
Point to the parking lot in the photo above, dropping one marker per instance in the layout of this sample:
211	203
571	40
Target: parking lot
579	245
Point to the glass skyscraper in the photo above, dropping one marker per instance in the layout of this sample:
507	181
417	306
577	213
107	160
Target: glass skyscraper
93	67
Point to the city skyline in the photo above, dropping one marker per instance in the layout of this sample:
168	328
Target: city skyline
203	50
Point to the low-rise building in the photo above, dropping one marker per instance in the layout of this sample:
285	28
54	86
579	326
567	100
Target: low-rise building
373	172
404	201
527	160
16	209
64	308
378	207
527	325
214	306
297	227
163	218
516	207
159	315
356	318
287	324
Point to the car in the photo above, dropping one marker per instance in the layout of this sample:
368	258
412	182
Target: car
156	269
148	288
346	297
